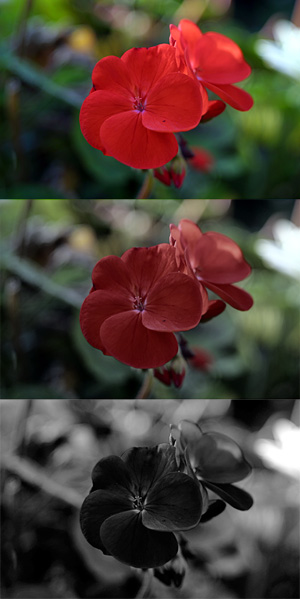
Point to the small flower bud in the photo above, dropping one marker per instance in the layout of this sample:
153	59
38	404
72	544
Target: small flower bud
172	372
173	172
173	572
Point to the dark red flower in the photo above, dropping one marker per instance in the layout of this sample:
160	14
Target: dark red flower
216	461
137	102
136	303
215	261
215	61
136	504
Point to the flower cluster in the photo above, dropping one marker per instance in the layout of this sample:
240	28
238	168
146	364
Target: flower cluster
140	502
139	301
139	101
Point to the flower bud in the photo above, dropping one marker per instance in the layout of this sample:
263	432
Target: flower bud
173	172
163	175
173	572
172	372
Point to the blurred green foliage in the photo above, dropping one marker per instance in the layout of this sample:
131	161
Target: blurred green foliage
48	251
47	56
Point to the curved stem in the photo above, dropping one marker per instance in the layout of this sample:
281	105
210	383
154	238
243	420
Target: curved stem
146	386
146	187
145	588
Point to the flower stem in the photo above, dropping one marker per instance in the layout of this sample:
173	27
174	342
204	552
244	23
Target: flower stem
145	588
146	187
146	386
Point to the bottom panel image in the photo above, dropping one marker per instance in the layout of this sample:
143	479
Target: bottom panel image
150	498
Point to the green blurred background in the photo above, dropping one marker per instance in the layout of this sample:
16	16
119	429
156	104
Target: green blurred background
47	55
49	249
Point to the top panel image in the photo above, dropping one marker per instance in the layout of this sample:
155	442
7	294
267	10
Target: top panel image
142	99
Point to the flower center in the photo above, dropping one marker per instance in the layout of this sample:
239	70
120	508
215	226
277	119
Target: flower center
138	303
138	104
138	503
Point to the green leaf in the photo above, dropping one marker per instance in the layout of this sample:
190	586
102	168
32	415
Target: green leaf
34	275
32	75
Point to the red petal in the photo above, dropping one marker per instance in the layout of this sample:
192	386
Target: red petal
96	308
219	459
234	96
234	296
126	339
148	465
191	35
129	541
218	59
166	108
190	232
96	108
126	139
218	259
112	74
173	504
112	474
215	307
174	304
148	65
111	273
98	506
215	107
149	264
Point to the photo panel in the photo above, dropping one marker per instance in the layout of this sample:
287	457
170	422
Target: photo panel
150	498
122	299
173	99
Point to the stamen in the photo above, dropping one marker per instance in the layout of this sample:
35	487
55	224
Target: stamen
138	303
138	502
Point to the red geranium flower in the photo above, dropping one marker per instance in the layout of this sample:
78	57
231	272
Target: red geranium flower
216	262
136	504
137	102
215	61
136	303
